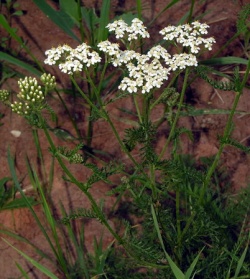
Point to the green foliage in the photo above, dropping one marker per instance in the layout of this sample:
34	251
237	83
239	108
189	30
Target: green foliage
71	155
8	201
203	72
242	23
77	214
103	174
60	18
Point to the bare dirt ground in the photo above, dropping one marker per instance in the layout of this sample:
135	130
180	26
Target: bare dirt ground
41	35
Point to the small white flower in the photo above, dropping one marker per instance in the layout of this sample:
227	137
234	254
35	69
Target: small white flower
189	36
109	48
137	28
72	60
159	52
119	27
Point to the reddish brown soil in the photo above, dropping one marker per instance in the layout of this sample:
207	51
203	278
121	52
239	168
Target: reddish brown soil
41	35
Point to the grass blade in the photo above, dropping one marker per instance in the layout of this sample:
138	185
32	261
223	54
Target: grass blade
104	20
70	8
12	60
26	241
192	266
60	18
240	262
175	269
225	61
17	185
172	3
23	272
11	31
42	268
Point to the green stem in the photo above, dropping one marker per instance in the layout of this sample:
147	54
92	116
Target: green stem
178	221
177	114
137	107
226	134
85	97
226	44
40	157
152	180
106	117
162	95
68	112
82	188
123	147
139	9
146	107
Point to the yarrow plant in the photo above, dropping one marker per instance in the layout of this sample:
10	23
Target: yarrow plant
166	235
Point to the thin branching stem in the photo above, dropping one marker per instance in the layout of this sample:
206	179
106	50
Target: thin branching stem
82	187
172	131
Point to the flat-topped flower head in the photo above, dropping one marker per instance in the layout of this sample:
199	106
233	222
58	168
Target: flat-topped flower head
144	75
112	49
55	54
133	32
137	29
72	60
159	52
182	61
119	27
190	36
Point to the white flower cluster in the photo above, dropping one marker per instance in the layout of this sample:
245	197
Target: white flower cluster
132	32
189	36
109	48
144	75
145	72
72	60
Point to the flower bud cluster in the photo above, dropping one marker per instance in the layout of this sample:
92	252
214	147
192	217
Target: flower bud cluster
76	159
22	108
31	96
72	60
30	90
4	95
189	36
133	32
49	81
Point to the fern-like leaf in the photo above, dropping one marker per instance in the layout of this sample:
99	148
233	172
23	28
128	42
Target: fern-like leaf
203	72
235	143
78	214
